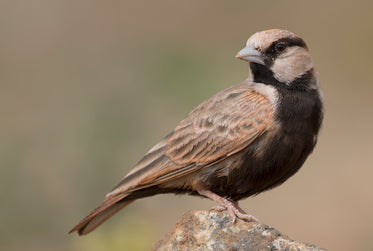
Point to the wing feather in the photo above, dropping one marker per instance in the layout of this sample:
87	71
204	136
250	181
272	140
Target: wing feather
218	128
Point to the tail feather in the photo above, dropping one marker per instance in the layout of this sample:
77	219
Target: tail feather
100	214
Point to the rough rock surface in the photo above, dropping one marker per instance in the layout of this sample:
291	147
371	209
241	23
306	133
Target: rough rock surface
212	230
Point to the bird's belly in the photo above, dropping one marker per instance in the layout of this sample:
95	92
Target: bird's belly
266	163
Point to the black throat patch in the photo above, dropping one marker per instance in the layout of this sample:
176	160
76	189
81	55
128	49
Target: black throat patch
261	74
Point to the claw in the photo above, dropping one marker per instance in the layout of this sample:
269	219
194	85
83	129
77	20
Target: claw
218	208
230	205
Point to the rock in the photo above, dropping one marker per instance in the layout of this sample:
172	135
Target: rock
212	230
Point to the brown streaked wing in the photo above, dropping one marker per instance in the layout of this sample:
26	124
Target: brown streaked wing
222	126
219	127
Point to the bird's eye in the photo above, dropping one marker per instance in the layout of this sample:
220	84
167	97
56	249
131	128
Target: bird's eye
280	47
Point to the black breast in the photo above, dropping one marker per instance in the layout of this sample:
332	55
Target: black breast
274	157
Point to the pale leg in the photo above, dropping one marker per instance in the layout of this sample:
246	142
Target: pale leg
225	204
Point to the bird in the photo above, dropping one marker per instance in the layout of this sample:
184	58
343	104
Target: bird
244	140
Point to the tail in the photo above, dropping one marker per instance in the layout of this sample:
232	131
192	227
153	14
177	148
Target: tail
100	214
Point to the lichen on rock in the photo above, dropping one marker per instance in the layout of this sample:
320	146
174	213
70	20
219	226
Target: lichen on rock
212	230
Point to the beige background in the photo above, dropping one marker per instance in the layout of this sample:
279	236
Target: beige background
87	87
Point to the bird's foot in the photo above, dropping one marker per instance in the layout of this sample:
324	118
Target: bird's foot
230	205
235	211
218	208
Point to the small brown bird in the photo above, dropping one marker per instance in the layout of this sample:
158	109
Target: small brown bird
242	141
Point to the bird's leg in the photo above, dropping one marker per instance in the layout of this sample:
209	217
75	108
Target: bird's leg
221	208
228	204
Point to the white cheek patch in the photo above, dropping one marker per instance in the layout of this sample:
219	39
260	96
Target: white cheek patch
292	64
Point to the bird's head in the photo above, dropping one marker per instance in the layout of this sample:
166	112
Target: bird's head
278	57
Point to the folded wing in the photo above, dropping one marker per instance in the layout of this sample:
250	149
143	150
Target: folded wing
221	126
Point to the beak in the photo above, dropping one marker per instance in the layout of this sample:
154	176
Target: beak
250	54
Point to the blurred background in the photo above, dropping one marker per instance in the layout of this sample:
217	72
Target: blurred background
87	87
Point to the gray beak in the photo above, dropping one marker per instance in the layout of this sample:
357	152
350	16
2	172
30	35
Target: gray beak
250	54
